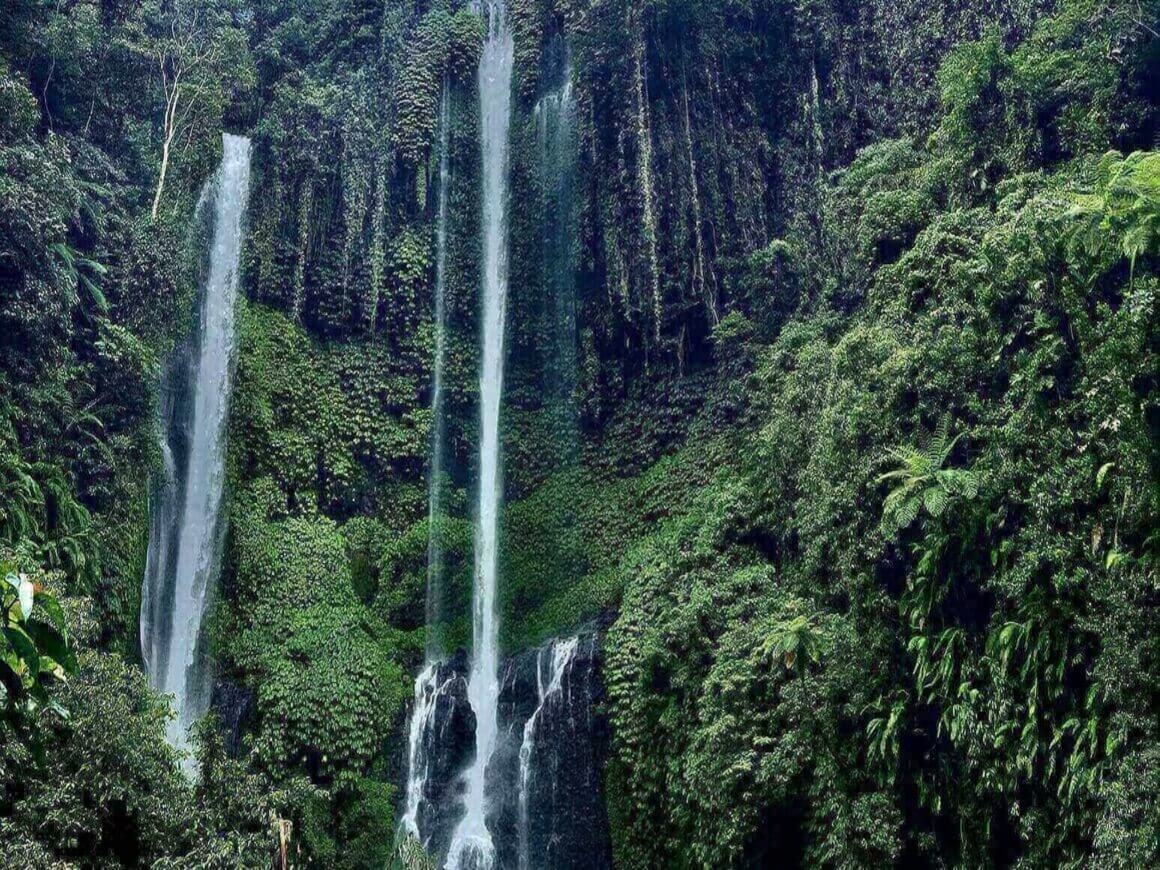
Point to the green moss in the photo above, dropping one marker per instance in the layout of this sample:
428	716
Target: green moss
335	426
328	696
321	608
560	546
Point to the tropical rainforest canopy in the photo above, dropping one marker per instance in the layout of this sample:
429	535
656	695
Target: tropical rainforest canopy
829	404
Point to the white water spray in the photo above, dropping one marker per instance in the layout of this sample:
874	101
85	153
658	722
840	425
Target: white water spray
171	634
471	844
427	689
562	654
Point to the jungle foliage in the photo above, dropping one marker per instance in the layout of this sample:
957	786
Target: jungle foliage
847	435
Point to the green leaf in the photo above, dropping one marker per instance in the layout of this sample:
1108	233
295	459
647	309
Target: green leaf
98	297
50	641
935	500
24	648
1102	473
52	608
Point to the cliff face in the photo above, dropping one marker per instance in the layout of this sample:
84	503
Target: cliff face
756	250
830	382
548	769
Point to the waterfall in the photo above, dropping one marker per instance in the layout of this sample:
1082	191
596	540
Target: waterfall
435	484
503	758
554	117
562	653
471	845
184	547
428	686
159	559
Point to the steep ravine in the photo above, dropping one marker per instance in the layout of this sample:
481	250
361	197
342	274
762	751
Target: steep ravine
664	433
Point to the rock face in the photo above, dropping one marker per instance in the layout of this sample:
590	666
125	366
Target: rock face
234	706
545	805
547	798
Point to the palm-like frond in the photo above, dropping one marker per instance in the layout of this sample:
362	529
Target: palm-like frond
797	641
920	481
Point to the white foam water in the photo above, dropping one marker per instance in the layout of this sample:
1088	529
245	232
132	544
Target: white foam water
472	847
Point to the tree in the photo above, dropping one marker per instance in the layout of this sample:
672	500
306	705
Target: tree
183	57
200	54
922	481
797	640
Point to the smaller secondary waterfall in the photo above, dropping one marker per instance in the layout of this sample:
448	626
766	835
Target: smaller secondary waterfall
418	756
435	484
555	119
430	685
185	536
547	690
471	846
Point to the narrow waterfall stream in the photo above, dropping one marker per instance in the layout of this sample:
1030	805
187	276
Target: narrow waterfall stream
429	685
471	844
554	115
184	546
439	425
551	664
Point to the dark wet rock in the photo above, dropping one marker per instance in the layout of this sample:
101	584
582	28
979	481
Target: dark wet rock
234	707
565	824
560	820
447	748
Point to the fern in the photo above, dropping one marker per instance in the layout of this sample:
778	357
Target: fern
1124	205
920	481
796	640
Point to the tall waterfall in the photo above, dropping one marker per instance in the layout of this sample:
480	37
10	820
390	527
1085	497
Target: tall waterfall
185	537
471	845
429	686
504	756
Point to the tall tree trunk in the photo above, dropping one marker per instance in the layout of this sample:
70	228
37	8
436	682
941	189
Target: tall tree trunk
169	131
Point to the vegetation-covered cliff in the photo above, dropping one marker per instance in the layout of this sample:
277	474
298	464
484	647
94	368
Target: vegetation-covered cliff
831	397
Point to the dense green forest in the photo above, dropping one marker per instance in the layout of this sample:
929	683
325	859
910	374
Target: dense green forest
850	448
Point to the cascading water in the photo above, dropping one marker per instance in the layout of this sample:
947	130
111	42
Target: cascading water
184	546
555	120
547	688
428	685
504	758
471	844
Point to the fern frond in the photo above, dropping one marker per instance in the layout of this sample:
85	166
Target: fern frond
935	500
907	512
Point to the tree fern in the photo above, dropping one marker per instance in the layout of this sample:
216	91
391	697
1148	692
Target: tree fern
1122	207
796	640
921	482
